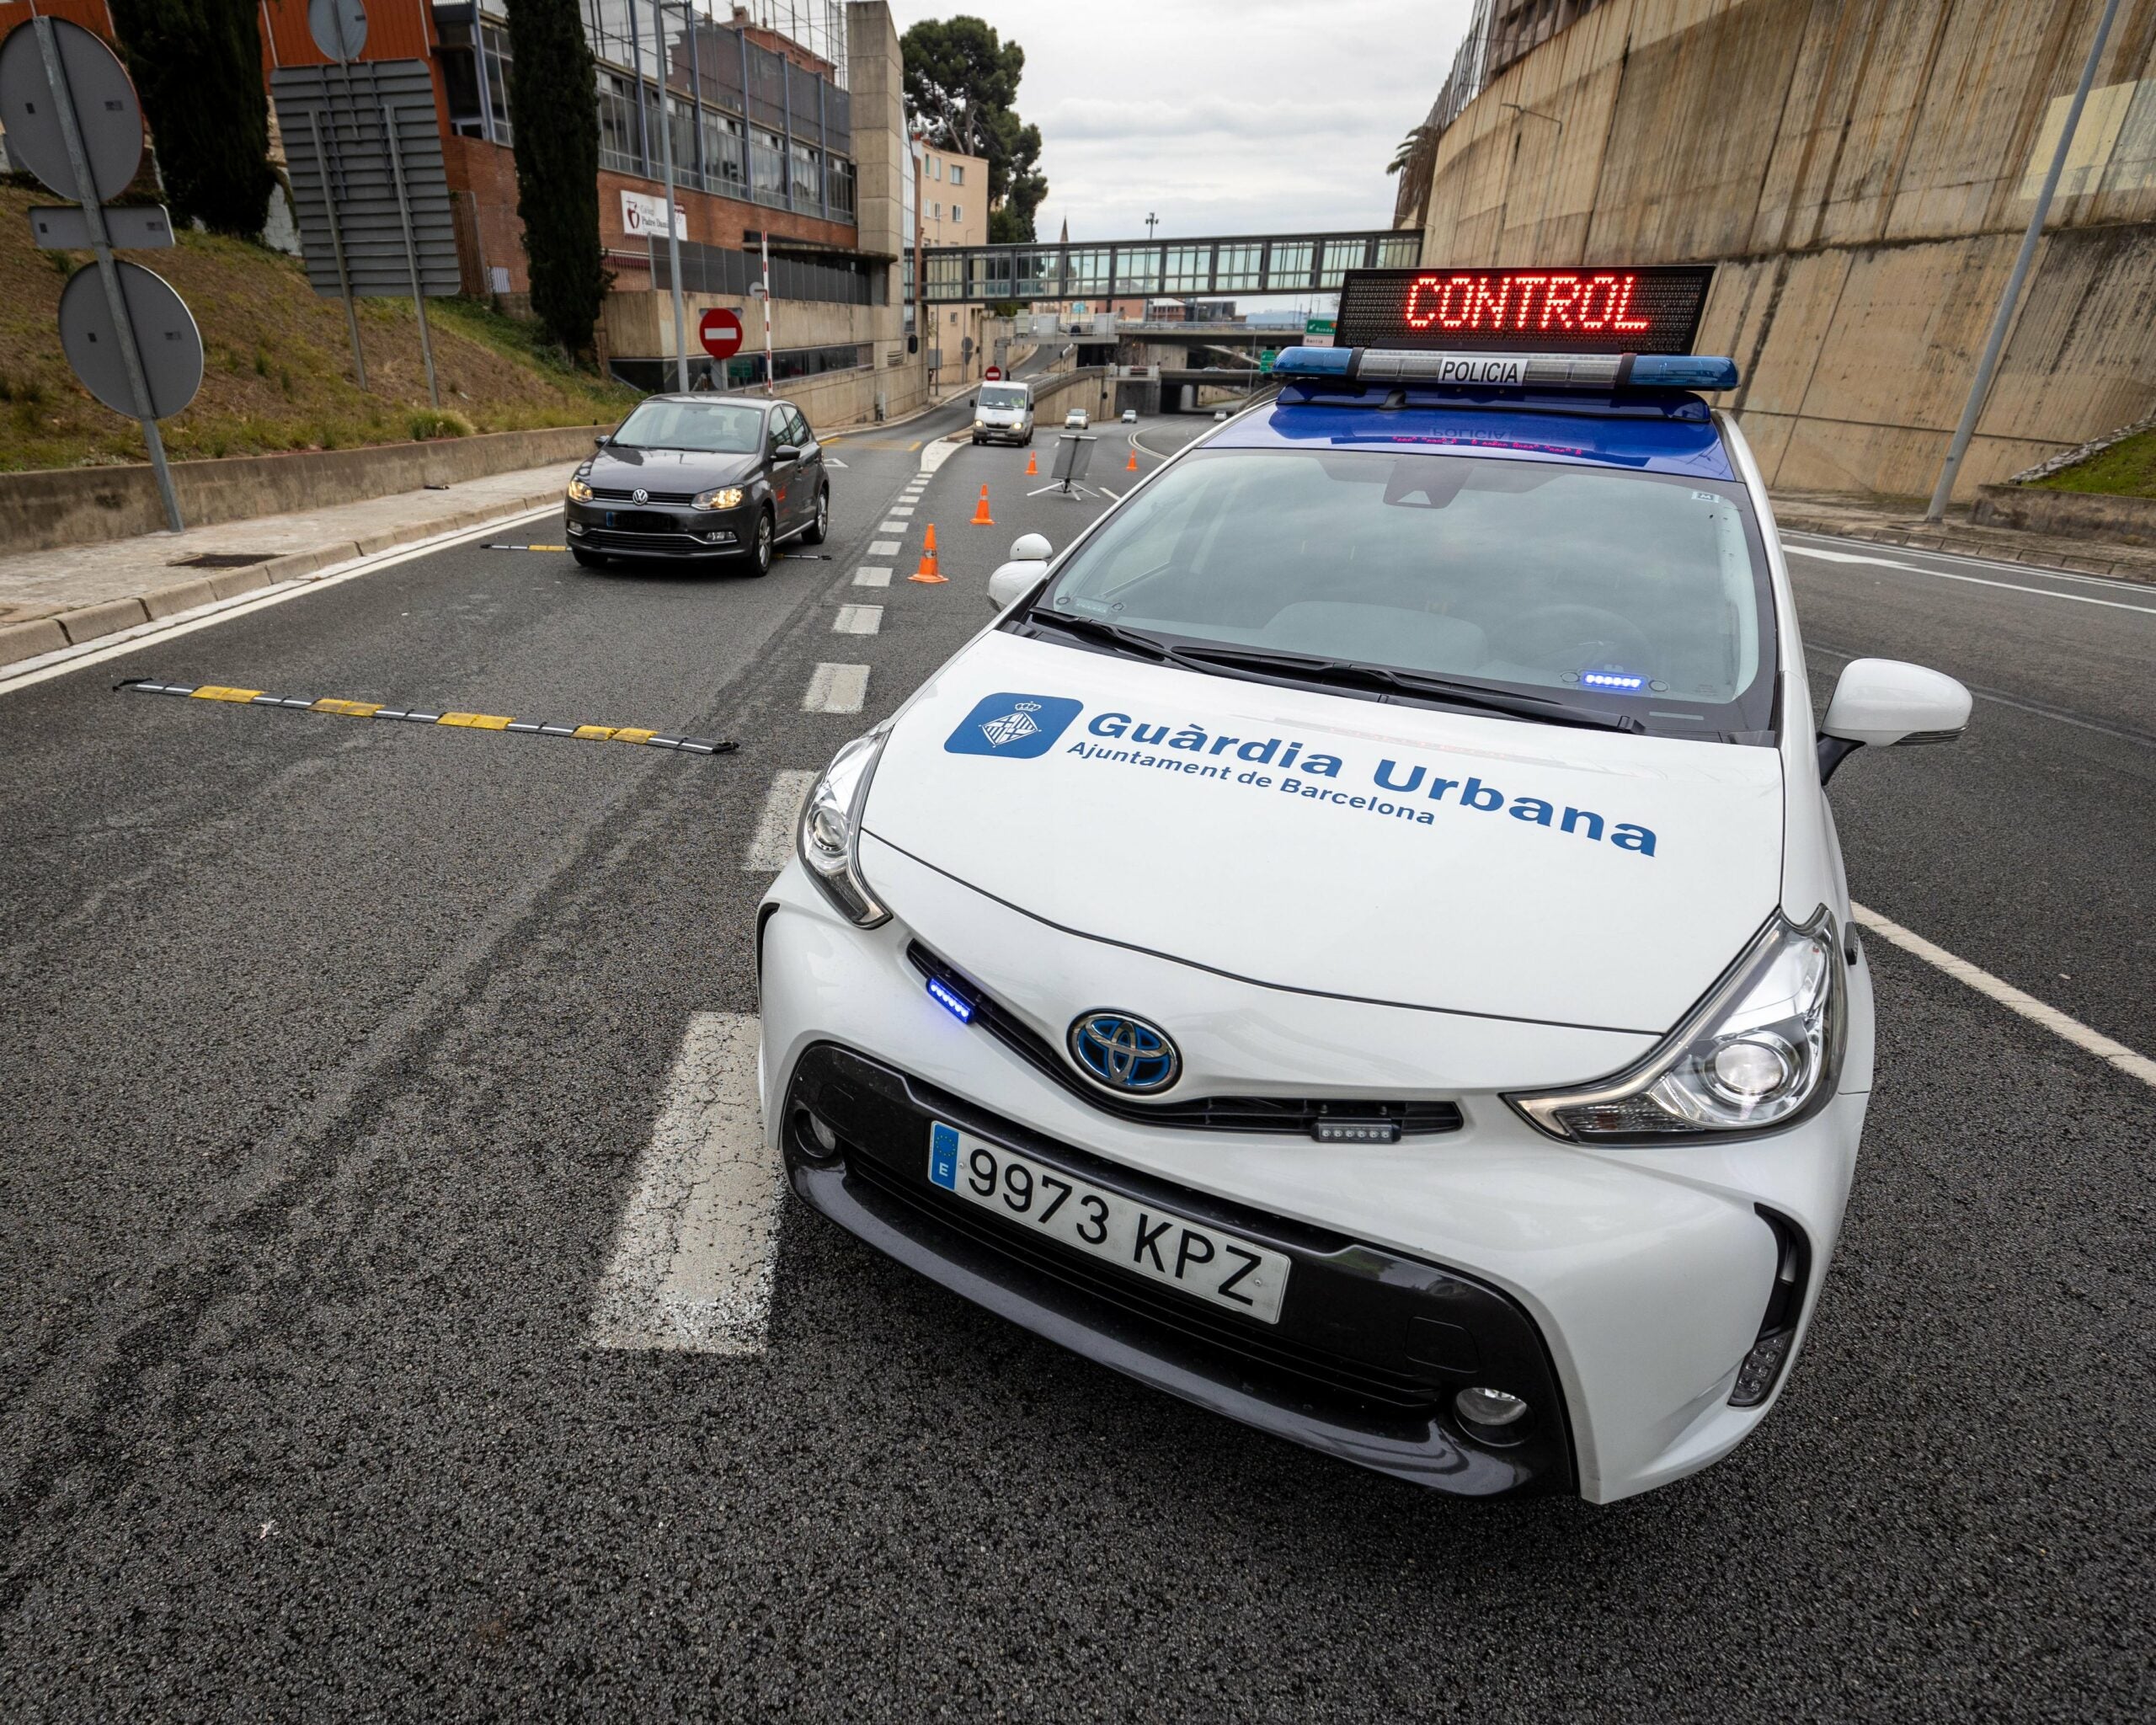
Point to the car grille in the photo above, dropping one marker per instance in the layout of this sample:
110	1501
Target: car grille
1214	1113
1360	1378
629	520
679	544
614	496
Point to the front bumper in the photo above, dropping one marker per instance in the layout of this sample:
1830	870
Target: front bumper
628	529
1369	1350
1644	1274
1001	434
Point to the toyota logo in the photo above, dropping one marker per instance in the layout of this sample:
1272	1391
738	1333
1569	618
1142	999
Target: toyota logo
641	495
1125	1053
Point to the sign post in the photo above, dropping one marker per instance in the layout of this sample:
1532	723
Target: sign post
411	250
339	29
337	250
41	76
771	374
673	228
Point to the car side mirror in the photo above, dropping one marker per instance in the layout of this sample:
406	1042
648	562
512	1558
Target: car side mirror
786	452
1887	704
1021	575
600	442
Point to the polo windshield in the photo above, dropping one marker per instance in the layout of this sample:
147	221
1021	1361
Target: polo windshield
1628	593
709	428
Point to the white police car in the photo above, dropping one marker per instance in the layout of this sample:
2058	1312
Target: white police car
1360	943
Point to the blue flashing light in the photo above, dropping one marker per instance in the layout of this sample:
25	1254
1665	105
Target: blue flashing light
1683	372
956	1004
1312	361
1611	680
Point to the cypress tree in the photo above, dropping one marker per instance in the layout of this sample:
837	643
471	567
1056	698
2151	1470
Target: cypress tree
554	114
197	66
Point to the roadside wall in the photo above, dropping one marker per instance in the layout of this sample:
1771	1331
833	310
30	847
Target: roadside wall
1862	170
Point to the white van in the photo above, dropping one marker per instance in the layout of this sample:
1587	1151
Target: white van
1003	413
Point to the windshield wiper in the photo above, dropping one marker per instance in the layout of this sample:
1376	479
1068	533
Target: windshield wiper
1093	628
1344	673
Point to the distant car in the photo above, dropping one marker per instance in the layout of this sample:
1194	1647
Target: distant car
1076	419
1219	413
1130	416
701	476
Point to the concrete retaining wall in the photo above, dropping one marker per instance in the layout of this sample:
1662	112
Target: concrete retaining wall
1861	170
2070	515
54	506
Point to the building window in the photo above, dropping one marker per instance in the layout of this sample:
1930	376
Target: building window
721	152
842	198
1291	264
957	174
936	167
935	212
766	167
957	212
808	182
618	124
471	112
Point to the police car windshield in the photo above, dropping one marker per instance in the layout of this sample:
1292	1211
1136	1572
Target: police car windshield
1600	588
709	428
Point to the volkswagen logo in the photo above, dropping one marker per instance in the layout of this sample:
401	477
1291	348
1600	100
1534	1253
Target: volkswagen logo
641	495
1125	1053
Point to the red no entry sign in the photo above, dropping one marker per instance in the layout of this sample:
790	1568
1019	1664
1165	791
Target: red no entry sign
720	332
994	374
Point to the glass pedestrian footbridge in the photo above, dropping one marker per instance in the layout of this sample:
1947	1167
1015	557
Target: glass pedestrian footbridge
1298	263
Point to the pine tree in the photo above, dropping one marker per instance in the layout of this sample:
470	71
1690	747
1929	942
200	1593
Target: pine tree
554	116
197	66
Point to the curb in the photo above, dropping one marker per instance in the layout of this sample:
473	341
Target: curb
2120	564
41	638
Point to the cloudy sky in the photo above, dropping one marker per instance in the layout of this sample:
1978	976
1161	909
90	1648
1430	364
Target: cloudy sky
1223	116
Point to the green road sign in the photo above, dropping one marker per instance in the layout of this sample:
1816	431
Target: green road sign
1317	332
1265	357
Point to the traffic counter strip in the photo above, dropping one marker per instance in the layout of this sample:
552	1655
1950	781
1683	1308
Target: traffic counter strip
458	721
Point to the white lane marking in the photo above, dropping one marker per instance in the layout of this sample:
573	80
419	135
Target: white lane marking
1888	563
1116	495
832	461
771	847
1986	562
868	575
893	526
61	661
693	1261
2034	1010
936	454
883	547
857	620
836	688
901	510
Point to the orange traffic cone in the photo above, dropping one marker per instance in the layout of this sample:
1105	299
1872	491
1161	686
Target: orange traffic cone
981	516
1032	465
1131	466
927	573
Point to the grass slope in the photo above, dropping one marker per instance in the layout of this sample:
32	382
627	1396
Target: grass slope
277	368
2126	469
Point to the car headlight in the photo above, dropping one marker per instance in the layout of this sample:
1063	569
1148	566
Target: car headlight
1763	1049
579	491
830	836
726	497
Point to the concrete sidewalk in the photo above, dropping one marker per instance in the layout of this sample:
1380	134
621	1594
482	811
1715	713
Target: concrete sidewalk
1900	521
50	600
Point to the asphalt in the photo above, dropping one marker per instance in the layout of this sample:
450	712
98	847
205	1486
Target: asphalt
329	1048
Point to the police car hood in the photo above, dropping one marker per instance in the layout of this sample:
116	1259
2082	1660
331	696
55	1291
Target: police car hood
1341	847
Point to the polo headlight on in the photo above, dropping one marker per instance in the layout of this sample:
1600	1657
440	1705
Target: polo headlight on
580	492
1762	1050
726	497
830	838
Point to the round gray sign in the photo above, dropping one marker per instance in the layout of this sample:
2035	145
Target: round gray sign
105	108
339	27
164	331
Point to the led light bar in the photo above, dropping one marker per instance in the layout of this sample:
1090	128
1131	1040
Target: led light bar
956	1004
1596	371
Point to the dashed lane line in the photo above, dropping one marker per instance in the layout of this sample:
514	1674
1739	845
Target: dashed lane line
698	1243
870	576
451	718
883	547
857	620
891	527
2073	1030
836	688
771	846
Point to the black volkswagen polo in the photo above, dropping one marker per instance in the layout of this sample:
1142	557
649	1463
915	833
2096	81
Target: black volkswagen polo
701	476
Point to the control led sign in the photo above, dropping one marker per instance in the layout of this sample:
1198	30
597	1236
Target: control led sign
1653	309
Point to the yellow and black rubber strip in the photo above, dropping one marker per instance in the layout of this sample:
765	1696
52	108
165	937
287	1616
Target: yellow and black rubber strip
462	721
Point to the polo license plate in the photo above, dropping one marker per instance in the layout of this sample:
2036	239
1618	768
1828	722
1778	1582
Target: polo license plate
1140	1239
